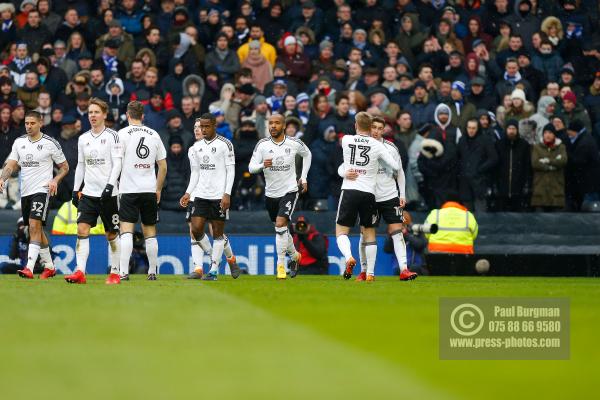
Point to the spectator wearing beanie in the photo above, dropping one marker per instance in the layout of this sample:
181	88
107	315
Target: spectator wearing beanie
410	38
548	160
461	111
309	18
420	106
571	110
262	72
583	167
520	108
524	21
513	172
297	63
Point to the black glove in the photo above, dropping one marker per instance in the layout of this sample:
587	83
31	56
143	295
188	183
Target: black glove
75	199
107	192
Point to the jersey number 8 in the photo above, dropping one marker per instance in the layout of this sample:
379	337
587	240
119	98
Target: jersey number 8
142	150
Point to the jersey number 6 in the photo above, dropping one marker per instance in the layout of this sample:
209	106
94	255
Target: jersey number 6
142	150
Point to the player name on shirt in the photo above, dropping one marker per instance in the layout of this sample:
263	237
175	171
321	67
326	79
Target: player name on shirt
36	160
142	147
363	154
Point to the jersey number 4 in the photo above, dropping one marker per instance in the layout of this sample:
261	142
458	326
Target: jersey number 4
142	150
364	155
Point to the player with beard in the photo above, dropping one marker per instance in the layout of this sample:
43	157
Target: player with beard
276	158
36	154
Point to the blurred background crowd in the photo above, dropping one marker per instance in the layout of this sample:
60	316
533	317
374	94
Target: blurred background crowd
498	100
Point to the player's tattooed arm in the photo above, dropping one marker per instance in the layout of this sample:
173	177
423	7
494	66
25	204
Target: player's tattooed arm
7	171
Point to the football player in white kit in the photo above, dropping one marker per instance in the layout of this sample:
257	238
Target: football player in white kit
140	187
390	199
276	157
212	161
98	168
363	155
36	154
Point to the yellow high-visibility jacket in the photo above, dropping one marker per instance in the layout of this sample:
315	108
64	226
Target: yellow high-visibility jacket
65	222
266	49
457	229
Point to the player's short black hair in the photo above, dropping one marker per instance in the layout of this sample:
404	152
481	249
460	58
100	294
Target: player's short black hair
209	117
34	114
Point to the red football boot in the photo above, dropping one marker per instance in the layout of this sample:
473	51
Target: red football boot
350	264
48	273
113	279
76	277
361	277
407	275
25	273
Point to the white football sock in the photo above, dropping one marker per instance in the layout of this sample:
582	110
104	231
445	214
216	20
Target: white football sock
371	252
82	251
227	250
197	254
399	249
126	240
362	256
344	245
32	254
46	257
291	249
152	253
217	254
114	253
205	244
281	244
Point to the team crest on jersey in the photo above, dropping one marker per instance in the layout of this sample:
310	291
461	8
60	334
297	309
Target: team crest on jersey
213	150
103	141
205	159
40	147
287	150
29	157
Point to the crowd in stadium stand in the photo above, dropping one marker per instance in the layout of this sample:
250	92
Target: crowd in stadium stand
497	99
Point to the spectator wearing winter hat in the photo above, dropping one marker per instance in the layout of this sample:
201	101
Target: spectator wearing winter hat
548	161
303	108
325	62
173	128
126	48
546	107
275	101
462	111
262	72
520	108
524	21
571	110
309	18
222	127
513	172
583	166
8	28
296	62
21	64
421	107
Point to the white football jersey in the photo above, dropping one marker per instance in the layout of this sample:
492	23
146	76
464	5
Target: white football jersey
387	187
363	154
36	160
210	160
142	147
281	177
97	153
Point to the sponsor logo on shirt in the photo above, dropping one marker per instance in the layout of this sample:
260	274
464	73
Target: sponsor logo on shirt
29	162
142	166
279	165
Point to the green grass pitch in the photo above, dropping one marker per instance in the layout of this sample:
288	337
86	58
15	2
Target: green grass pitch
257	338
